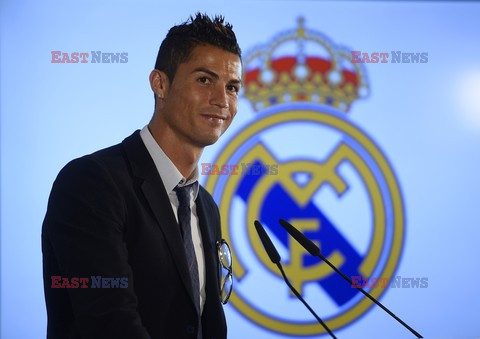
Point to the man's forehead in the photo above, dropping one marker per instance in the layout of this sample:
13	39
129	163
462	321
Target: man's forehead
203	52
212	58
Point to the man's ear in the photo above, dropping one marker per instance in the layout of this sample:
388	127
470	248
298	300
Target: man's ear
159	83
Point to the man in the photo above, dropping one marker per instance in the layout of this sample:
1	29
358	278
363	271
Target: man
134	213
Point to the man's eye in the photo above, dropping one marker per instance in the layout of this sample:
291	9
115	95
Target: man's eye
232	88
204	80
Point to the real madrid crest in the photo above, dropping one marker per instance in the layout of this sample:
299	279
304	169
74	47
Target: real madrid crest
303	160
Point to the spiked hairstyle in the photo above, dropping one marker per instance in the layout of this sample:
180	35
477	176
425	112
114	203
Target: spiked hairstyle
199	30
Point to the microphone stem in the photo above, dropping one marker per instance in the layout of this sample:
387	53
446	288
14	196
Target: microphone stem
304	302
369	296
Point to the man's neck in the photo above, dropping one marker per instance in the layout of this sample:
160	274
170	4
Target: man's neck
183	155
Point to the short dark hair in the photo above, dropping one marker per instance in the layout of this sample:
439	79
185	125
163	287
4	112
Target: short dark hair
201	30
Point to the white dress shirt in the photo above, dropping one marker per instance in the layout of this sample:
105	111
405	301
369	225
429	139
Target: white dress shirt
171	177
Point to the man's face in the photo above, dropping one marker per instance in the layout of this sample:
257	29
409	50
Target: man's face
201	101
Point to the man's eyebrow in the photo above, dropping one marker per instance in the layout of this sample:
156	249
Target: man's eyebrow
215	75
236	82
205	70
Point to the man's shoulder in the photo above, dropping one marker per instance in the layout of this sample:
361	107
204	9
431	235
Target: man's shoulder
112	160
105	159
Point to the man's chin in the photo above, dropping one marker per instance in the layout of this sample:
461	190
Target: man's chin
208	140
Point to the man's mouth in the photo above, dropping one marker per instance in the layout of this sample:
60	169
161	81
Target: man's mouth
215	117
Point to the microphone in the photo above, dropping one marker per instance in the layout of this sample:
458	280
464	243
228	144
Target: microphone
275	258
267	243
315	251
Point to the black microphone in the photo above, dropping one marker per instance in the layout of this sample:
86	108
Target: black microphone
275	258
267	243
315	251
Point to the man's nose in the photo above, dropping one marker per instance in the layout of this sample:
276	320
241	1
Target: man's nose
219	97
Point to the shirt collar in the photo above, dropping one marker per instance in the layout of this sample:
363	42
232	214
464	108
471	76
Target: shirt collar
170	175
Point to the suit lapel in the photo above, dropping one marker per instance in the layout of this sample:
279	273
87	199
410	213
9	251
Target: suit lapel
207	229
156	196
204	219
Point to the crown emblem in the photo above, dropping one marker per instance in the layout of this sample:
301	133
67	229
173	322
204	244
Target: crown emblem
303	65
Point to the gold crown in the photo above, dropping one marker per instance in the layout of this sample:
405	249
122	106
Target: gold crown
322	75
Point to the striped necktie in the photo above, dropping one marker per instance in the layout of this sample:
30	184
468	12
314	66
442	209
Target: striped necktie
184	220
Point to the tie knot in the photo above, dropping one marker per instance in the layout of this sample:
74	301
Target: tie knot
183	194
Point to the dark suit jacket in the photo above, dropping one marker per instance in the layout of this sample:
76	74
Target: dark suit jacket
109	215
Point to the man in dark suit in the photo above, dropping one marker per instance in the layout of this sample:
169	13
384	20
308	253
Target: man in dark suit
130	239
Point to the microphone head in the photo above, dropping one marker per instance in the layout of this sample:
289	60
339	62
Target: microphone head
267	243
301	238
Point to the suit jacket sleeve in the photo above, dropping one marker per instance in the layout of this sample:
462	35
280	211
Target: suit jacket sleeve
83	236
